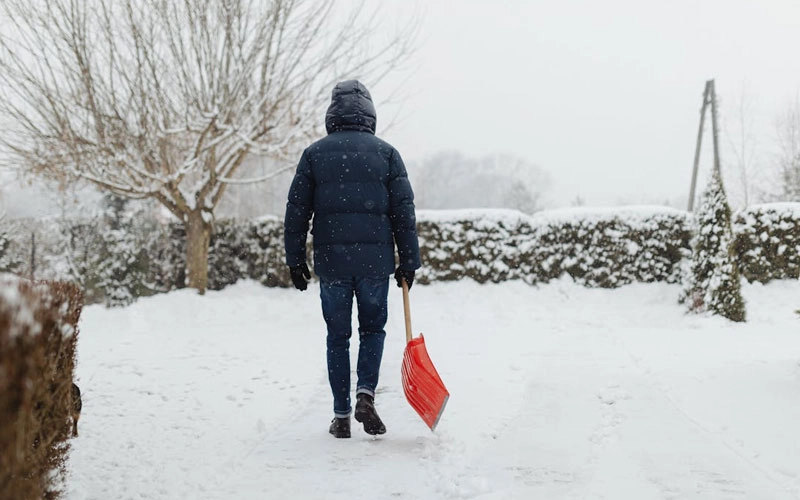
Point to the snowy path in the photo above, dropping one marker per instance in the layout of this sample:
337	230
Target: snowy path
557	392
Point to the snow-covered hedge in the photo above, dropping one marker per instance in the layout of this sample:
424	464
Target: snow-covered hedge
485	245
247	249
239	249
38	332
7	261
596	247
768	241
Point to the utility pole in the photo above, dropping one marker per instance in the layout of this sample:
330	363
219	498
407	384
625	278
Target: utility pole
714	128
707	93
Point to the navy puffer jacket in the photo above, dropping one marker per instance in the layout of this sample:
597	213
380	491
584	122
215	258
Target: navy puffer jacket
356	187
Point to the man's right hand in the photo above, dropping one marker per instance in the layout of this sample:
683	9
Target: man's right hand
300	276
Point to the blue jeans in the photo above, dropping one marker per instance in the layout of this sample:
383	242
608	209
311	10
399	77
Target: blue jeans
337	307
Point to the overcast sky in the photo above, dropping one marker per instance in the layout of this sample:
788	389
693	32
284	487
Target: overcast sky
603	95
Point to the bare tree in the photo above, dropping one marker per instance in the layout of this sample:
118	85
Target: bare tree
450	180
787	127
741	138
166	99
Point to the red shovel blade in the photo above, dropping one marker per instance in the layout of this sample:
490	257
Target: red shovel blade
424	389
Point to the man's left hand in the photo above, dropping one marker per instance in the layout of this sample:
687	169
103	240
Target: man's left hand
300	276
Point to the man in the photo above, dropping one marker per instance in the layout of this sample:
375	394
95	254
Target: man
356	187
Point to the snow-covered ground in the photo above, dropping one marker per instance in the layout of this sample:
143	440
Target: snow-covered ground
557	391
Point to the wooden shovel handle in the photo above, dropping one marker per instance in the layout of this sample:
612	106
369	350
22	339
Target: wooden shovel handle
406	310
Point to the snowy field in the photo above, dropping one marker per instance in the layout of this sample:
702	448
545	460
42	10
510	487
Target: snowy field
558	391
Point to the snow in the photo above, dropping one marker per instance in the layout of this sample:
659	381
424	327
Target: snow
632	213
19	307
557	391
489	216
580	215
787	208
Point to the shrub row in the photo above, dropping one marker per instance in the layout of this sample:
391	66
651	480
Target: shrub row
596	247
38	334
767	242
249	249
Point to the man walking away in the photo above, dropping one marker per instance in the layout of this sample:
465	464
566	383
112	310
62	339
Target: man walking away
357	190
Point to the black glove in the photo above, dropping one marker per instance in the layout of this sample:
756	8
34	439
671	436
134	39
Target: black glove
404	273
300	276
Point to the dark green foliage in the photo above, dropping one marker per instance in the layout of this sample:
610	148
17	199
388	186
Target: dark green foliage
610	249
82	250
251	249
596	247
124	262
768	242
165	249
607	250
106	256
486	249
714	283
8	262
227	251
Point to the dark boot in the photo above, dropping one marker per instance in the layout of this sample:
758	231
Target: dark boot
340	427
366	414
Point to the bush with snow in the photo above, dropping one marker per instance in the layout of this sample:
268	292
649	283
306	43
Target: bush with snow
8	261
767	242
138	255
250	249
610	247
486	245
713	284
597	248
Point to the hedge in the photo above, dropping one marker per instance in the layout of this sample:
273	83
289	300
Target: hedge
38	335
596	247
767	242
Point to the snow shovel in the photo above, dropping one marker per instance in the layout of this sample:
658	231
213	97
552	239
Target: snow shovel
424	389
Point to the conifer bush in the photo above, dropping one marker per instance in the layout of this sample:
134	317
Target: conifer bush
82	248
713	283
8	261
166	257
122	271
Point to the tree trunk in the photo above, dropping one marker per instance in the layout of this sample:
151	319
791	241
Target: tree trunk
198	238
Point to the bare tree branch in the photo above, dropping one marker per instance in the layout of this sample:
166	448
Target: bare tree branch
166	99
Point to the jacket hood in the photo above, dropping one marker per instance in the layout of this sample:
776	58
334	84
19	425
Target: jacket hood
351	108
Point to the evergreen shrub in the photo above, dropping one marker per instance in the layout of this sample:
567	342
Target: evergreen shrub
713	283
